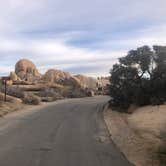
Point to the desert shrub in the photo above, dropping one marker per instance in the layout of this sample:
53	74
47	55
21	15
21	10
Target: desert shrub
31	99
139	78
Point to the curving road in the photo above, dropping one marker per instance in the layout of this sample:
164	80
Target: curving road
66	133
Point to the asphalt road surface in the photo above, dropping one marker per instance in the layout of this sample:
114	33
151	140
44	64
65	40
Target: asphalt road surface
67	133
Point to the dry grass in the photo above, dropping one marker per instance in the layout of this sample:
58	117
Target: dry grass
138	135
12	104
9	98
8	107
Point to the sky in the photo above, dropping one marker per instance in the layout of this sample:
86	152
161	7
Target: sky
77	36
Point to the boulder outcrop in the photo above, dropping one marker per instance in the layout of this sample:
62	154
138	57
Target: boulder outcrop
60	77
87	82
26	70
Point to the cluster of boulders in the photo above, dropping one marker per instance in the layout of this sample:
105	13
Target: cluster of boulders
25	70
29	85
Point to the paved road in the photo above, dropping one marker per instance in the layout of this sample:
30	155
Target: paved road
67	133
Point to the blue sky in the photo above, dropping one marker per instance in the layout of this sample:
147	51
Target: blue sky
77	36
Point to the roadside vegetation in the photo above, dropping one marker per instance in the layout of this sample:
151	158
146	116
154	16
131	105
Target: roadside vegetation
138	86
139	78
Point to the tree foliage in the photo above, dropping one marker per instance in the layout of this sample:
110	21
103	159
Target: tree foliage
139	78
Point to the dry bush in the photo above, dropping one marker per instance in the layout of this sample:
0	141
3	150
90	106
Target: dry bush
31	99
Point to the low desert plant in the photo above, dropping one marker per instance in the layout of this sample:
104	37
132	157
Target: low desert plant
31	99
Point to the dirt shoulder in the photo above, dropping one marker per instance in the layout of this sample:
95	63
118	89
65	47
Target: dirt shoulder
8	107
14	106
138	135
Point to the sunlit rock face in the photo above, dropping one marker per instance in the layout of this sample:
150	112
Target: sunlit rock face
87	82
26	70
60	77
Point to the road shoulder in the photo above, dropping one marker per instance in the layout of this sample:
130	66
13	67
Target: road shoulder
137	149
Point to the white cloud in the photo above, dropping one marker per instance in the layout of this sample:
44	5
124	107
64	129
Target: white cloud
29	15
39	30
56	54
153	35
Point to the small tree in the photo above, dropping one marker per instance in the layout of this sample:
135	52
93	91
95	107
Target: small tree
139	78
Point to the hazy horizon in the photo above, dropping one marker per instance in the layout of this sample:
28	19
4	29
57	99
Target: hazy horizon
80	37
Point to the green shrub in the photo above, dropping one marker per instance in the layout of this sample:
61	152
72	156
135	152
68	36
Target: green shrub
139	78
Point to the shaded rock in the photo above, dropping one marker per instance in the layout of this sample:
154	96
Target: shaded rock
15	92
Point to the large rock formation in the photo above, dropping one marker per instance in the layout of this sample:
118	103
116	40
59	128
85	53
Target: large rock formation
26	70
87	82
60	77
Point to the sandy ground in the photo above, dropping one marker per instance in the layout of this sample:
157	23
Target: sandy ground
8	107
138	135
